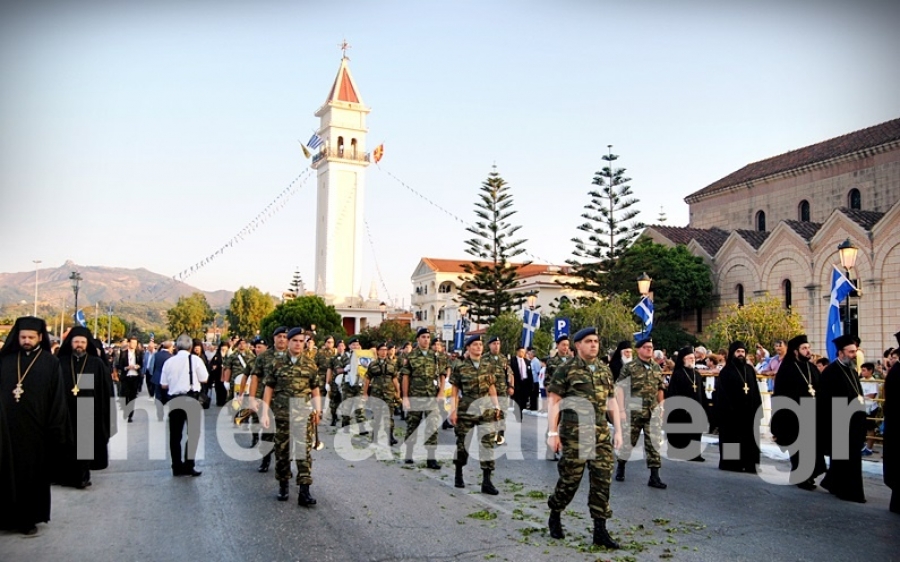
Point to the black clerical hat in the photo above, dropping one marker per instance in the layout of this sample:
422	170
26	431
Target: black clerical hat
843	341
796	342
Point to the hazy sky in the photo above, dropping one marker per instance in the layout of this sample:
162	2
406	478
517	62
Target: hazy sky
147	134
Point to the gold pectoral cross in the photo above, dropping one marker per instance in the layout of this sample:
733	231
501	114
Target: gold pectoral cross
746	388
18	392
812	391
861	399
75	390
695	387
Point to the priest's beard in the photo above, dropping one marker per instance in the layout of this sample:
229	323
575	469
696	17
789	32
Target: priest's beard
802	358
845	361
78	353
27	347
626	360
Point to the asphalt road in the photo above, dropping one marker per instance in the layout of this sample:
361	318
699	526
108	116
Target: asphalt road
374	509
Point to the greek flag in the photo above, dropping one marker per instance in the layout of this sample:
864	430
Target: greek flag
644	310
458	335
314	142
841	287
531	320
79	317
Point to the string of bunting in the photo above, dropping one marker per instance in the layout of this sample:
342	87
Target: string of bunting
261	218
375	261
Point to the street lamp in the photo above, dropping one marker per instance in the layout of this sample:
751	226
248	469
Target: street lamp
532	300
644	284
36	263
76	279
383	308
848	253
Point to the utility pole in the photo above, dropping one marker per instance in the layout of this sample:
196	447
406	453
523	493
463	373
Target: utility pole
109	327
36	264
96	317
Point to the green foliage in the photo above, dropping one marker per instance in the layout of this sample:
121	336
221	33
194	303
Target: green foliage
613	319
671	337
392	331
607	225
247	309
508	326
760	321
303	312
489	283
681	280
190	315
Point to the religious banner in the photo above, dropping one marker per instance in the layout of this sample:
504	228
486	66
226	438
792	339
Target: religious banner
359	365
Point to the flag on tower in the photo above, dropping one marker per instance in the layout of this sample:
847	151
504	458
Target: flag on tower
305	150
378	152
841	287
315	141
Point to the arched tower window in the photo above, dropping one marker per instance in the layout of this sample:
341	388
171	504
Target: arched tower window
803	211
353	148
760	221
340	151
854	199
740	292
788	298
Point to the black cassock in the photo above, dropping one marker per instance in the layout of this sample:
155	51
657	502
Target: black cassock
844	477
682	383
7	479
889	444
79	370
792	381
736	414
39	433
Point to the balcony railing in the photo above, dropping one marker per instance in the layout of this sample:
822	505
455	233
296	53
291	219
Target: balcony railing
345	153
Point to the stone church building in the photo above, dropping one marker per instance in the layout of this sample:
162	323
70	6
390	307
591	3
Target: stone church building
774	227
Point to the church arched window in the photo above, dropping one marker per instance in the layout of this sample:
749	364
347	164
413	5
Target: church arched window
740	292
353	148
761	221
788	297
854	199
340	151
803	211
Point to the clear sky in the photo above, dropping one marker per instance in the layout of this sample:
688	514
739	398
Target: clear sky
147	134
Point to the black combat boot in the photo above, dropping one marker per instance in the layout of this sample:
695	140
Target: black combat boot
620	471
254	441
459	483
432	464
333	418
487	487
555	525
601	536
393	440
654	481
283	491
303	497
447	424
264	464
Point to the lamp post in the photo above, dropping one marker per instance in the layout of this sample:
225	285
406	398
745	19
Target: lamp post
643	283
109	326
76	279
848	253
532	301
36	264
383	308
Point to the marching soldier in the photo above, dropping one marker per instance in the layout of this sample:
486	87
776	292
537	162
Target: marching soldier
392	357
265	364
351	388
292	395
645	380
240	362
588	386
323	361
422	390
443	369
381	382
503	383
563	355
339	362
472	380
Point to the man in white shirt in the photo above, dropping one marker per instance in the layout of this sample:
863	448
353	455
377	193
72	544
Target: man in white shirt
182	376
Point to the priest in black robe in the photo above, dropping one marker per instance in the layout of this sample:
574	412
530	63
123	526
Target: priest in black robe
889	444
88	383
620	357
31	393
841	387
738	412
688	383
7	478
797	378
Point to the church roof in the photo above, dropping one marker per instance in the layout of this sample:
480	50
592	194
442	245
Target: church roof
523	270
344	88
753	237
711	239
806	230
865	219
839	146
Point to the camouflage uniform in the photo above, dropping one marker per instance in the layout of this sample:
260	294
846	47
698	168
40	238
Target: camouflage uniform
348	391
382	375
501	376
293	378
591	381
323	362
645	381
420	367
338	361
234	363
473	383
265	364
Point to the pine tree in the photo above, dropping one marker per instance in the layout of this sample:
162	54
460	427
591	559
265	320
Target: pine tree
297	287
489	286
610	226
662	215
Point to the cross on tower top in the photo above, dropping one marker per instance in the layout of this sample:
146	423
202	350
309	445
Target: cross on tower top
344	47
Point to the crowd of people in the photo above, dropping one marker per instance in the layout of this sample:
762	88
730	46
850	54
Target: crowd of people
597	405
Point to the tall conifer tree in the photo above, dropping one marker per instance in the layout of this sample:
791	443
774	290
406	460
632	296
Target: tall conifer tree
489	286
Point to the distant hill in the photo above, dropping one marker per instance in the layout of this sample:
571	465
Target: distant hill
106	285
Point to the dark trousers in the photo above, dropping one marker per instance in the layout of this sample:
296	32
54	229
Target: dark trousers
130	386
178	423
221	393
533	396
522	396
151	388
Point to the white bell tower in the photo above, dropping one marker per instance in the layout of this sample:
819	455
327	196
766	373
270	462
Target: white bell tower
341	165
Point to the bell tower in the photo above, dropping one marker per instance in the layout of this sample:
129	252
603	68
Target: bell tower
341	166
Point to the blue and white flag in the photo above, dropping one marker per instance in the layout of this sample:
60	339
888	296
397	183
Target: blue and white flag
314	142
644	311
841	287
458	335
79	317
531	321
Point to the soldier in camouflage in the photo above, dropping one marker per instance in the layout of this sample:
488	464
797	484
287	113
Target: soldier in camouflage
265	364
339	362
292	396
323	362
444	364
352	388
472	379
642	382
422	391
503	383
240	362
563	356
381	383
587	387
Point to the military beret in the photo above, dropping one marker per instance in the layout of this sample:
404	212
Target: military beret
390	346
472	339
421	331
493	339
294	332
563	337
382	345
434	340
353	340
258	340
642	342
280	330
583	333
